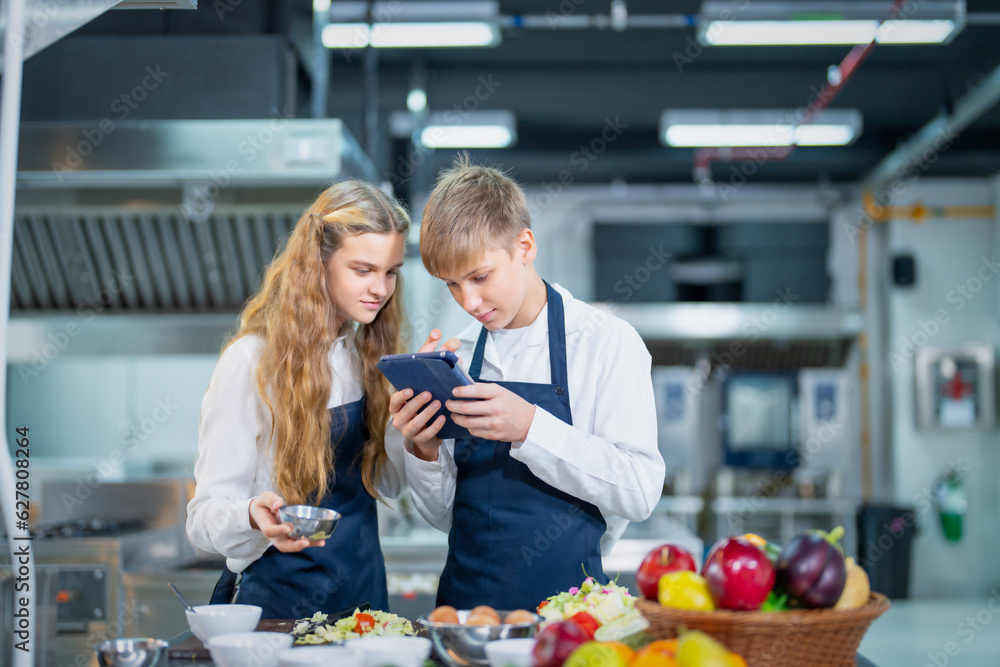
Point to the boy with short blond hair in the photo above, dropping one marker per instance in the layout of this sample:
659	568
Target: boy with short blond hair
563	452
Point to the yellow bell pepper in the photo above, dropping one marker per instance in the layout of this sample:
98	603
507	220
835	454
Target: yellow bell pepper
685	590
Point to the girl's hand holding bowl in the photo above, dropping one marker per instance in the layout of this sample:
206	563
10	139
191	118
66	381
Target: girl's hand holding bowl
264	517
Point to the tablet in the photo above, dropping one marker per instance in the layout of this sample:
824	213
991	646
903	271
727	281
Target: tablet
436	372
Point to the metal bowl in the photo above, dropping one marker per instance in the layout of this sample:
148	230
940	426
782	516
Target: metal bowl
135	652
316	523
459	645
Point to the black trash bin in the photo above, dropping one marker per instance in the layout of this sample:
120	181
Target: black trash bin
885	542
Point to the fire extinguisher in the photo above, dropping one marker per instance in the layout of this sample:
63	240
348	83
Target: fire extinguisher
950	497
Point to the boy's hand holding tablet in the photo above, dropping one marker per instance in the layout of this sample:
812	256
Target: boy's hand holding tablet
411	414
500	414
484	410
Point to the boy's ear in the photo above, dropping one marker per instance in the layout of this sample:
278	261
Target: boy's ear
526	246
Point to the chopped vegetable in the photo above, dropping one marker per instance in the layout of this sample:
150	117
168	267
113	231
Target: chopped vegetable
316	630
605	602
366	623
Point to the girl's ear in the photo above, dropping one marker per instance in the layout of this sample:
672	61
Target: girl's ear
526	246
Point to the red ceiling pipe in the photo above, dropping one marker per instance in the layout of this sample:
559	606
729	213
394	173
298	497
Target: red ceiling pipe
703	157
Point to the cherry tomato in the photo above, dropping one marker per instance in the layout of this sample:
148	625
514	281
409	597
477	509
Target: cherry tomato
366	623
586	622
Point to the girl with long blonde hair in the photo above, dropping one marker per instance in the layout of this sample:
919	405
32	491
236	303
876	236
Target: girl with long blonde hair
296	412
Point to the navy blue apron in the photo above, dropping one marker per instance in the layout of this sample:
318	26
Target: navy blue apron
349	571
514	539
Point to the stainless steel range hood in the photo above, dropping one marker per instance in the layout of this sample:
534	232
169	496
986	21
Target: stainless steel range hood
260	152
164	216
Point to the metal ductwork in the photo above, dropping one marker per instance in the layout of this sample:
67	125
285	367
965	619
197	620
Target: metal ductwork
47	22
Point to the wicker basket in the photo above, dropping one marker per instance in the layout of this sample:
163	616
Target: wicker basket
817	638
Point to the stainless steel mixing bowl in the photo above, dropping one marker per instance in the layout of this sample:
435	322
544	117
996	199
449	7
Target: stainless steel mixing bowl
459	645
316	523
134	652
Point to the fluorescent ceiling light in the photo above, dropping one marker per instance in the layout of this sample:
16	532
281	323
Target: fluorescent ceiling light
414	24
914	32
690	128
764	23
346	35
456	129
409	35
769	33
808	33
466	136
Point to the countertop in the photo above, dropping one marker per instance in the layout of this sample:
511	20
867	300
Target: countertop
188	662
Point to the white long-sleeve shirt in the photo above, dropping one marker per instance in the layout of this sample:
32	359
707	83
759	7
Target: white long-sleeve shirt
234	461
607	457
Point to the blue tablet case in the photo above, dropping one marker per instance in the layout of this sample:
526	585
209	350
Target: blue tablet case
436	372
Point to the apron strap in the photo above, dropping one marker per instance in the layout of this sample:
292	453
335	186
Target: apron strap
557	345
476	367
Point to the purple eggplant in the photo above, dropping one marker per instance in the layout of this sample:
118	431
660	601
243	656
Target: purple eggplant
811	569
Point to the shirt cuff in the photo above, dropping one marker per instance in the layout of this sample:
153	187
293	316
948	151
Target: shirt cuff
418	465
546	431
252	534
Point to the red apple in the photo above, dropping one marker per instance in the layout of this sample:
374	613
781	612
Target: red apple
739	574
658	562
554	644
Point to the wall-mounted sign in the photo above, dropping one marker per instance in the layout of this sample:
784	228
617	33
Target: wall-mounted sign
955	387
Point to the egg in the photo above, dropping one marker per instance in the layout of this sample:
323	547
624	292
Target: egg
519	616
482	619
488	612
443	614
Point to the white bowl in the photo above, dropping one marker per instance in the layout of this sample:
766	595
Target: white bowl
248	649
210	620
510	652
393	651
321	656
